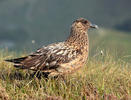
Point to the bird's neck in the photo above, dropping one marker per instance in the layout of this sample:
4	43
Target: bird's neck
78	38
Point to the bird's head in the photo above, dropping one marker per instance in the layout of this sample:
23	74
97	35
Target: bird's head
84	24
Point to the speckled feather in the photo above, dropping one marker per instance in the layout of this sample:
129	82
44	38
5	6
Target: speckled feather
60	58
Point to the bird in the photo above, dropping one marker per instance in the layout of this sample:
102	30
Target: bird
62	57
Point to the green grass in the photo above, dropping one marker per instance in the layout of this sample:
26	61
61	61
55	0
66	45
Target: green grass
117	42
103	77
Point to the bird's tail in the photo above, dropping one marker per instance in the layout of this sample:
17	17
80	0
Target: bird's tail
17	61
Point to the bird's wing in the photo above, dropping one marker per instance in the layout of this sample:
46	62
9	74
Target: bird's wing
47	57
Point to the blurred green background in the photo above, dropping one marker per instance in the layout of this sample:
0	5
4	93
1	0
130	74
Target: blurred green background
29	24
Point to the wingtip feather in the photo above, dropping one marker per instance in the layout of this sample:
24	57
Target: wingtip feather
8	60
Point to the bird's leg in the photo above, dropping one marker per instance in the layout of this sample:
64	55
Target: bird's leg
40	74
36	74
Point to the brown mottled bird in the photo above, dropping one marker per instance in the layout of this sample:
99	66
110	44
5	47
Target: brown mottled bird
62	57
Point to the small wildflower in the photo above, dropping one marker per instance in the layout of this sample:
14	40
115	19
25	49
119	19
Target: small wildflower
102	53
33	41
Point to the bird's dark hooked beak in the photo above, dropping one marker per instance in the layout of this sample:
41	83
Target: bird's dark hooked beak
93	26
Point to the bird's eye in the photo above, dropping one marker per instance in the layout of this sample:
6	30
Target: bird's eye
85	22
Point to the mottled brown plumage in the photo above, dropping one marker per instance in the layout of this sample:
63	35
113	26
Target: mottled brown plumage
63	57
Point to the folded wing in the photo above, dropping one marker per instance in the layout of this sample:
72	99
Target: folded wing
47	57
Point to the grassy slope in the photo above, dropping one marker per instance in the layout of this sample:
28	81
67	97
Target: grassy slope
104	76
117	42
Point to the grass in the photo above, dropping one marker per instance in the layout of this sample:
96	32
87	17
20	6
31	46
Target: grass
103	77
117	42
